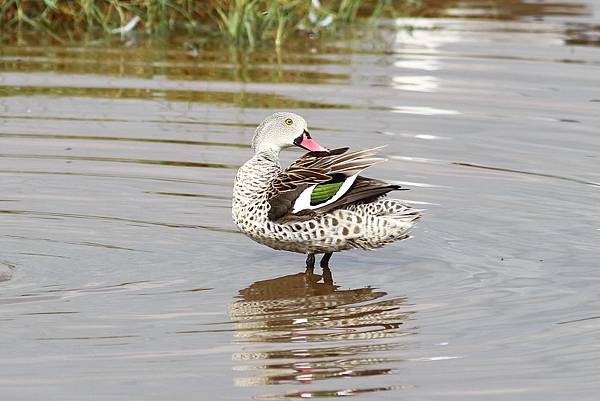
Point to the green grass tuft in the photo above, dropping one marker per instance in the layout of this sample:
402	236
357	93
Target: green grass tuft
243	22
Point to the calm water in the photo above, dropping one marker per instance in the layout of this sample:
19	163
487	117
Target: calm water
123	277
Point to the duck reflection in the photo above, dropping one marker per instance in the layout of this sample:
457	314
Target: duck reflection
289	319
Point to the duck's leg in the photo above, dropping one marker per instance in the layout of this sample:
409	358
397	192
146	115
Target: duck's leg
325	260
327	276
310	263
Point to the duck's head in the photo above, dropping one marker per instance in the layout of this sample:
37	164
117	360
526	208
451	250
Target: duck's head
283	130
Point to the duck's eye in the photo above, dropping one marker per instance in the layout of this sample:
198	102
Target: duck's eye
288	121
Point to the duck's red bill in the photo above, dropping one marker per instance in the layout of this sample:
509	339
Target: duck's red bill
306	142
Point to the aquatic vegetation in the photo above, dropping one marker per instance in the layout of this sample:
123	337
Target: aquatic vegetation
246	22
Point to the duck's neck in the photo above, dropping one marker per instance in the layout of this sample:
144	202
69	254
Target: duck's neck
250	206
268	154
255	176
267	151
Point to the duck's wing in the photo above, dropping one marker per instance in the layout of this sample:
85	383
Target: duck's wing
319	182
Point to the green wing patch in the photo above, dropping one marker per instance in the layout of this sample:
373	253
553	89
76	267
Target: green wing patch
323	192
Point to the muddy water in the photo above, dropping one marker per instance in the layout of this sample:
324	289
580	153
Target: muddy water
123	277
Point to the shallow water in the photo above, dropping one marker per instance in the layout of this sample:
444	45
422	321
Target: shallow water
123	276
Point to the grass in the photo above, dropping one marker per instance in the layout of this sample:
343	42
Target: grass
243	22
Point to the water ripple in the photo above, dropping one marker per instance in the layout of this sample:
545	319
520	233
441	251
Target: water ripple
508	170
112	218
124	139
120	160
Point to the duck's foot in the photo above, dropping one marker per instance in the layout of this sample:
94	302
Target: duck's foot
310	264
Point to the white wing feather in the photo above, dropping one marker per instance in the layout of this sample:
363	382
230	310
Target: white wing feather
303	201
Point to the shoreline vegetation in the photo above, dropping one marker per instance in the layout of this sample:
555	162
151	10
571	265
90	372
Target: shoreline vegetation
246	23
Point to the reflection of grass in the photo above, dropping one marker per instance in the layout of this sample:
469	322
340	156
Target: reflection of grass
239	99
241	21
135	66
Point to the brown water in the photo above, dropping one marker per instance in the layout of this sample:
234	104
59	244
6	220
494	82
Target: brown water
124	277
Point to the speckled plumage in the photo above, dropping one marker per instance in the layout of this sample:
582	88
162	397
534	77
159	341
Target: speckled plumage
367	224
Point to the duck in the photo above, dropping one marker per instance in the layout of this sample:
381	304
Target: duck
321	203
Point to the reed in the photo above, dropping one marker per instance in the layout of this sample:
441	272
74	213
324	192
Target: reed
244	22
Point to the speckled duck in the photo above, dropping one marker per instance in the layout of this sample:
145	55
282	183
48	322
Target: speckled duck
319	204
